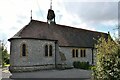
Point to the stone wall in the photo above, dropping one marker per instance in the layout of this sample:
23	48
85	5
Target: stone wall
35	53
69	59
31	68
36	60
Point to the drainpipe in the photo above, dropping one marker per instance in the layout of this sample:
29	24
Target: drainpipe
55	54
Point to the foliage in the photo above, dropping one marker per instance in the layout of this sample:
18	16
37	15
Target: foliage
4	56
81	65
107	60
0	55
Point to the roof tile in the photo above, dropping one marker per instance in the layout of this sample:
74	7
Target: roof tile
66	35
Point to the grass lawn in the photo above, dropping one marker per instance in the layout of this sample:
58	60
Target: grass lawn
7	65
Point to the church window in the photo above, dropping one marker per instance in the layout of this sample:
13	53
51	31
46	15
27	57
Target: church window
76	52
24	52
73	53
83	53
50	50
46	50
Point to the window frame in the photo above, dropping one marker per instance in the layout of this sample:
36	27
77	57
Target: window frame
49	50
46	50
21	50
75	53
82	53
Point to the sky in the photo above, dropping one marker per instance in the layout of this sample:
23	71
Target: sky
96	15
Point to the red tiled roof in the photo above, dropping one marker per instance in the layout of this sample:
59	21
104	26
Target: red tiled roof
66	35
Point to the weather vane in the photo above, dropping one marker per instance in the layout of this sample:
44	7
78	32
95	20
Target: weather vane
50	4
31	14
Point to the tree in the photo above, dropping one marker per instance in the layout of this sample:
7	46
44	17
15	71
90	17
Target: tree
107	60
4	56
0	54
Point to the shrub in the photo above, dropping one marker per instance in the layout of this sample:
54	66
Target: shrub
107	60
74	64
81	65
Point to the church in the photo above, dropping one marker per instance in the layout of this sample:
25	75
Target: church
46	45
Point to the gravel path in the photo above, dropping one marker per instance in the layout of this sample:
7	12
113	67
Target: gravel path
69	73
0	73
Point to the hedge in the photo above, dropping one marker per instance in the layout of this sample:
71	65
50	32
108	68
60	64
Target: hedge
81	65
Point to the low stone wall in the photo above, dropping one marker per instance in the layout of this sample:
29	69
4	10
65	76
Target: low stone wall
63	66
37	67
31	68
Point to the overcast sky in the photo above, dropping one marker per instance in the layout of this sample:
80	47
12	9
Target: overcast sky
97	15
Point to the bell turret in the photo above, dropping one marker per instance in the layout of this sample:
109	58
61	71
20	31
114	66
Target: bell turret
51	15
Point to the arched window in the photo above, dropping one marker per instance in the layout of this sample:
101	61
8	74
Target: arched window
73	53
50	50
46	50
23	50
76	53
84	53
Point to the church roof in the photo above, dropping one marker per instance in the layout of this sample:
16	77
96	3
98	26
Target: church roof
65	35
